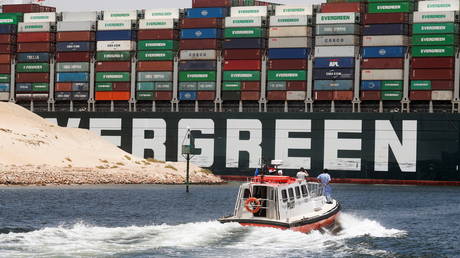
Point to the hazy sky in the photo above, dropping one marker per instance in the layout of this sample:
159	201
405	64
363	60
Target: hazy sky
97	5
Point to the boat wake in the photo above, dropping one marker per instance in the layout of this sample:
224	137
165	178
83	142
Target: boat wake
192	240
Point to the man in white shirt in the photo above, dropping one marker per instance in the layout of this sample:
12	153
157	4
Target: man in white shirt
325	178
302	174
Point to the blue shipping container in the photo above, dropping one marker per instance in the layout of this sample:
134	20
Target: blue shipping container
201	34
72	77
206	12
244	43
386	29
371	85
369	52
115	35
187	95
75	46
8	28
197	65
4	87
288	53
334	74
33	57
333	85
23	87
338	62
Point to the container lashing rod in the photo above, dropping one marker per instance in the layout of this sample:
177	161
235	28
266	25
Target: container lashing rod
218	99
309	98
405	102
175	101
132	100
356	102
263	86
456	97
51	101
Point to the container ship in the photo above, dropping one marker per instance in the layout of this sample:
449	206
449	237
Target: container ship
368	90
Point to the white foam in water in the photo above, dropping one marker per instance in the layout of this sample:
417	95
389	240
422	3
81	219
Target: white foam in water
225	239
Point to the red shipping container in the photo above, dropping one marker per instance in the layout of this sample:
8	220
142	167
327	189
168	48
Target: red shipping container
163	34
343	95
296	86
76	36
211	3
35	47
199	44
250	95
7	39
370	95
206	95
276	95
235	54
382	63
7	48
146	66
5	68
442	85
73	56
113	66
5	58
32	77
121	86
21	8
433	62
242	65
163	95
420	95
432	74
63	86
287	64
250	86
324	95
354	7
25	37
379	18
193	23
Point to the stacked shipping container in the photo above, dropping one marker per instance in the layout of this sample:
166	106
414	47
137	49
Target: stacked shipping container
8	33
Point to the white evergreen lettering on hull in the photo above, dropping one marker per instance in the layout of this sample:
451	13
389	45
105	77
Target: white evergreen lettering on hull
106	124
205	126
71	122
404	150
284	143
332	144
157	144
251	145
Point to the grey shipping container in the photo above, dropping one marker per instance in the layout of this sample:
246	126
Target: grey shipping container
76	26
163	86
206	85
390	40
79	16
338	29
72	67
278	85
198	54
188	86
36	26
198	65
333	85
154	76
293	42
340	51
337	40
295	31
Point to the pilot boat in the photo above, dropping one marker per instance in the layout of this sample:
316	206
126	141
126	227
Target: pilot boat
284	202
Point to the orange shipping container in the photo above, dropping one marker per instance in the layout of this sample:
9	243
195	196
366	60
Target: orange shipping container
206	95
250	95
5	59
343	95
24	37
63	86
276	95
112	95
75	36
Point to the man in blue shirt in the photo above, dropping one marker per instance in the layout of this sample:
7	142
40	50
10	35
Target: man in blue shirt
325	178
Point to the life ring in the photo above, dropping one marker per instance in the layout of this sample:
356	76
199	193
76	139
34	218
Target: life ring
252	205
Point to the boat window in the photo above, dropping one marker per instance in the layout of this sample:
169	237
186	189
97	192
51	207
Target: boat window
284	195
246	193
297	192
304	190
291	194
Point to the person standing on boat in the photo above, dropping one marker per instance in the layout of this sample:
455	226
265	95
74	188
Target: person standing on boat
302	174
325	179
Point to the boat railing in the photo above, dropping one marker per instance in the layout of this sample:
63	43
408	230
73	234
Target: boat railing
315	189
265	204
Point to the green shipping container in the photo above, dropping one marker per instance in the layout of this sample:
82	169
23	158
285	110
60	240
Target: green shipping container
4	78
145	86
11	18
103	86
40	87
434	28
113	56
396	7
230	86
113	77
422	51
244	33
32	67
438	39
420	85
241	76
391	95
287	75
195	76
392	85
145	96
155	55
157	45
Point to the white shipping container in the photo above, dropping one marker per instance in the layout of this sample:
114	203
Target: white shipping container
238	22
118	45
382	74
340	51
76	26
293	10
115	25
157	24
35	26
4	96
289	20
298	31
40	17
390	40
294	42
336	18
295	95
337	40
438	6
120	15
79	16
425	17
163	13
442	95
198	54
248	11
